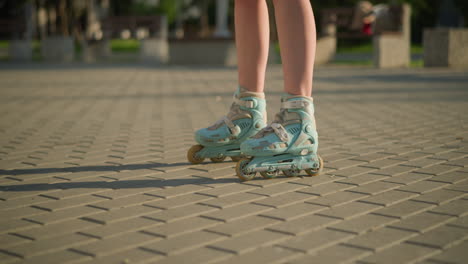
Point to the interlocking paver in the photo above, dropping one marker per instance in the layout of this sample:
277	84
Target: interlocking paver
403	209
379	239
187	225
421	222
243	225
456	254
93	169
248	242
262	255
361	224
402	253
183	242
315	240
440	237
333	254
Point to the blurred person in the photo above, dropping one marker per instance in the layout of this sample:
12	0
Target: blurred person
290	143
373	19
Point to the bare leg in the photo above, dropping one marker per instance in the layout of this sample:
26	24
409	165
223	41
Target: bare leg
252	42
297	36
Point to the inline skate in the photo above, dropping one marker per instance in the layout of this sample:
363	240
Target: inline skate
288	145
247	116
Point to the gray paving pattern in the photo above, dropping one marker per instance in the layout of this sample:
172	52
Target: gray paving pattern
93	170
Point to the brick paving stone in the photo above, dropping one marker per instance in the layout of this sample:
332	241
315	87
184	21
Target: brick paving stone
134	255
333	254
114	244
454	208
327	177
63	215
422	187
118	228
461	186
43	246
437	169
456	254
178	201
293	211
349	210
60	257
315	240
22	212
12	240
460	222
336	199
453	177
362	179
361	224
327	188
185	242
179	213
223	191
56	229
393	170
379	239
248	242
354	171
121	214
440	237
262	255
278	189
233	199
243	225
199	255
408	178
303	224
421	222
15	225
439	197
388	198
116	204
177	228
285	199
403	209
374	187
236	212
402	253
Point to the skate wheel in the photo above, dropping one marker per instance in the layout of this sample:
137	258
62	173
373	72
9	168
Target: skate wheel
268	174
236	158
291	173
315	171
240	166
192	154
218	160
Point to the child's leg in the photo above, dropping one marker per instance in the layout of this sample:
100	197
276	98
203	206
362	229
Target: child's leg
297	36
252	42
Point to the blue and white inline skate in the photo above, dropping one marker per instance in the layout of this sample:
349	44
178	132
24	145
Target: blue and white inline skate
246	118
288	145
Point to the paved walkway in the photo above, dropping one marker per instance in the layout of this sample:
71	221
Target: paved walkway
93	170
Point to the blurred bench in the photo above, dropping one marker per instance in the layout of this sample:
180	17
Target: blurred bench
151	30
20	49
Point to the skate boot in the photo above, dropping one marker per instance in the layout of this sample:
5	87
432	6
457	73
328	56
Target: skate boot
246	118
288	145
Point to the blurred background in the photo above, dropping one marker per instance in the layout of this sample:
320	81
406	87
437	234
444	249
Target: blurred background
174	31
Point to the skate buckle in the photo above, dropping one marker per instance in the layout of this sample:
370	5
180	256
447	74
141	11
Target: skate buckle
304	152
280	131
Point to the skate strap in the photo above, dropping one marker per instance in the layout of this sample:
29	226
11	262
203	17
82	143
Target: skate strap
280	131
235	130
248	104
294	104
